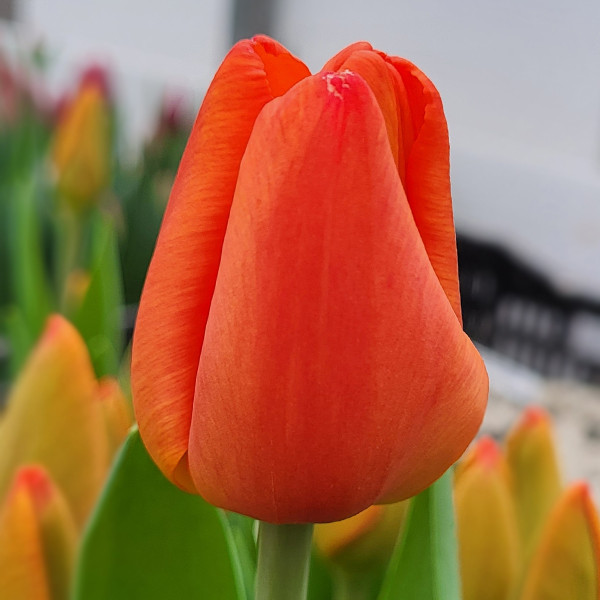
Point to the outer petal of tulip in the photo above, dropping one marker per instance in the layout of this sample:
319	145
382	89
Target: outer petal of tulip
52	419
420	145
567	561
81	149
332	360
531	456
487	528
180	282
37	540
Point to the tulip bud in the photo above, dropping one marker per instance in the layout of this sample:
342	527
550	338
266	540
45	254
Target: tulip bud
531	456
487	528
364	541
52	419
566	563
37	539
298	351
81	147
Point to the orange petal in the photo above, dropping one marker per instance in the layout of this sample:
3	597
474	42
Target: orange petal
374	70
180	282
567	561
51	419
487	529
37	540
331	354
531	456
428	174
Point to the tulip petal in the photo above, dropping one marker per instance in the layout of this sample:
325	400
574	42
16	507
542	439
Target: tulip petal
331	354
51	419
180	282
486	525
567	561
428	175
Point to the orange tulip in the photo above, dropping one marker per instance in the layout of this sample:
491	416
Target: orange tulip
299	354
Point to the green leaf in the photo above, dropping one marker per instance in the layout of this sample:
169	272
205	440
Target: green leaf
148	540
99	316
424	565
29	288
240	531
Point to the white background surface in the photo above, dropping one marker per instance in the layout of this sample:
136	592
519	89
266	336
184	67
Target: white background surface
520	81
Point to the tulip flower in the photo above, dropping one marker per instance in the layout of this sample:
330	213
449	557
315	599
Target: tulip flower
489	546
55	417
37	539
566	563
531	455
81	147
298	354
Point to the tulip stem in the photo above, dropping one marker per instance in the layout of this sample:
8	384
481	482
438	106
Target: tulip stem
283	561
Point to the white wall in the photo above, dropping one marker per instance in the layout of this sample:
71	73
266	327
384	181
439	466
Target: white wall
519	79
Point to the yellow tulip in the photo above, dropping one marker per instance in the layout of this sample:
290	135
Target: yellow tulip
37	539
487	529
566	564
531	456
55	416
81	147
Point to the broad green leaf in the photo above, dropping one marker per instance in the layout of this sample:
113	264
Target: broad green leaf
99	316
424	565
148	540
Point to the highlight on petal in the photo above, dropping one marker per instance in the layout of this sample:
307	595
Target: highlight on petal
488	538
179	286
348	321
52	419
531	456
37	539
566	563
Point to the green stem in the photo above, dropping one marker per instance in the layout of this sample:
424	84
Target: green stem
70	240
283	561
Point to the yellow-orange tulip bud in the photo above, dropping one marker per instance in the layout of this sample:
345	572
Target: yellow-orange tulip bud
487	529
566	564
363	541
531	456
81	148
37	539
54	417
